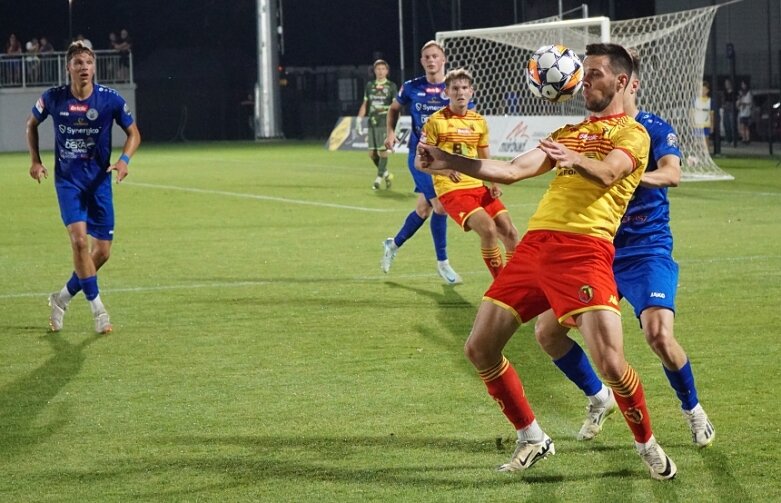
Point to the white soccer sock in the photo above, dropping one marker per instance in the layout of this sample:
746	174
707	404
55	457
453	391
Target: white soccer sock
641	447
601	396
96	305
64	296
532	433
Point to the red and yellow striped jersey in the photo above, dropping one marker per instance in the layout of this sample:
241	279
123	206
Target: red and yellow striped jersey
573	203
457	134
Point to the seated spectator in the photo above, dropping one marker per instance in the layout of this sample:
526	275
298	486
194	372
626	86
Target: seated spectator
46	46
124	46
14	48
32	61
48	62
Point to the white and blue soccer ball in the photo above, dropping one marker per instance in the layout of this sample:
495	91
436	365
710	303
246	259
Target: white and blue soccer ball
554	73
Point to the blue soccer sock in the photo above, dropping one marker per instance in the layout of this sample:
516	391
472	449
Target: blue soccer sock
410	227
682	381
73	285
90	287
439	233
577	368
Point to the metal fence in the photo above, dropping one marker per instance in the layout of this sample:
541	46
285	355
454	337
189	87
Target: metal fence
48	69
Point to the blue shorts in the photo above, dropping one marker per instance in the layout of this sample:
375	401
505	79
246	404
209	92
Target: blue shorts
93	206
424	183
649	281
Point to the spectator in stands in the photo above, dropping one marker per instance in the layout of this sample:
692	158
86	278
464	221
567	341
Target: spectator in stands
728	115
46	46
112	63
48	63
124	47
745	106
14	48
33	62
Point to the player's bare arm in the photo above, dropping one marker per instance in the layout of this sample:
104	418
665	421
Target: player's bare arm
394	111
131	145
37	169
615	166
666	174
527	165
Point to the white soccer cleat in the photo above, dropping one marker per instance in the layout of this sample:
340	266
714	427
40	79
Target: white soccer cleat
527	453
57	313
596	416
103	323
389	251
449	276
703	432
658	463
388	179
376	184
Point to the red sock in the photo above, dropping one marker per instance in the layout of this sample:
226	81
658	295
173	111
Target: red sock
505	387
631	400
508	255
493	259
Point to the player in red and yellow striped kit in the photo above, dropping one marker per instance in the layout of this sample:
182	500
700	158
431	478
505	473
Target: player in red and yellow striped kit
473	206
564	261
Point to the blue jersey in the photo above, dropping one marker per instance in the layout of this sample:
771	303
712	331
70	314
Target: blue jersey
82	132
422	98
645	227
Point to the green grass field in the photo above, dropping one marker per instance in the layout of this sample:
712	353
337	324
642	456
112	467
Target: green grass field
259	354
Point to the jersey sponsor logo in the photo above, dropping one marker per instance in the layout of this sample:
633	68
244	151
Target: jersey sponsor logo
585	294
658	295
64	114
465	131
126	109
84	131
421	94
39	105
589	136
672	140
92	114
77	107
434	90
424	107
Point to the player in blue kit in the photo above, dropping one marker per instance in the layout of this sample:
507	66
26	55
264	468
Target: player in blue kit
647	276
83	114
422	96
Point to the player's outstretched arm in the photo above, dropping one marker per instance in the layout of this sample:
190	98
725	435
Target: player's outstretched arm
132	142
666	174
37	169
527	165
394	111
615	166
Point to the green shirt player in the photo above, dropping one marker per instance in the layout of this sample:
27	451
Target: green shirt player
377	98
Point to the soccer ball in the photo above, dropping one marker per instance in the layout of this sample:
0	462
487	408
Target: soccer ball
555	73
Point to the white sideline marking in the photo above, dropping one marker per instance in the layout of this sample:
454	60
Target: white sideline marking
259	197
380	278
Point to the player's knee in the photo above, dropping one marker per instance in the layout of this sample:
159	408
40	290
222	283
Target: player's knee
100	256
79	242
480	356
610	367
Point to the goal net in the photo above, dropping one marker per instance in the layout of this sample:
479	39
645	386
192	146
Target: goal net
671	46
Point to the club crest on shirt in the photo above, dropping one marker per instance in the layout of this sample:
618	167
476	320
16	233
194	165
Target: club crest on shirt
585	294
92	114
672	140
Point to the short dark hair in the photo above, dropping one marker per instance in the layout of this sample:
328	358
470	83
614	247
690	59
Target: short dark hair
620	59
77	47
458	74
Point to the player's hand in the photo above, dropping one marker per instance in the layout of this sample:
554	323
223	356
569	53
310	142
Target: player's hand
496	191
38	171
434	158
359	126
563	156
390	141
121	168
454	176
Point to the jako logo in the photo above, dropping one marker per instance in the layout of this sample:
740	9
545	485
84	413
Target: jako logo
658	295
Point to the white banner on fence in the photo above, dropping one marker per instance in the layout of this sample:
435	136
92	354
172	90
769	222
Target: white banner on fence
508	135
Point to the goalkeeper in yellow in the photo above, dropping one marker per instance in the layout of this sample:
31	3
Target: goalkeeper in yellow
377	98
459	130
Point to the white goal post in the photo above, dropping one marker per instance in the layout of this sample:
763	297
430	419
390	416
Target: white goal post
672	50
